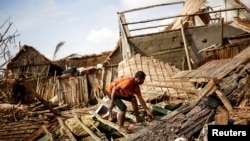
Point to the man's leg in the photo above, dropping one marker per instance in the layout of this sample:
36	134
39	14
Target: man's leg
123	108
121	118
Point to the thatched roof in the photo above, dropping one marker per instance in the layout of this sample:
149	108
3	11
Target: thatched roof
84	61
28	55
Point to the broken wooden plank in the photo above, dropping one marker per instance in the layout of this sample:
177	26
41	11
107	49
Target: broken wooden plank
224	100
191	90
48	111
185	46
36	134
221	117
207	90
22	80
151	6
195	121
48	133
193	128
201	135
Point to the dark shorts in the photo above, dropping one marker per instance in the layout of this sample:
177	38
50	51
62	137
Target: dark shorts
119	103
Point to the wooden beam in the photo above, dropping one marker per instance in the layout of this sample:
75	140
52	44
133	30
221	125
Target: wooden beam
224	100
170	17
33	92
207	90
149	27
222	29
221	117
185	46
37	133
152	6
48	133
195	91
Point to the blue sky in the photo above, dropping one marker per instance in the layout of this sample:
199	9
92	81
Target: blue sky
86	27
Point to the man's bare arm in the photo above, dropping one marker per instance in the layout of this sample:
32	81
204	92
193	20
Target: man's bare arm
143	103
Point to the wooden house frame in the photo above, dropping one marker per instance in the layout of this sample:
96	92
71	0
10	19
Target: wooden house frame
180	43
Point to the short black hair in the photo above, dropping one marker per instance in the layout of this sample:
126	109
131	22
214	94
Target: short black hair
140	74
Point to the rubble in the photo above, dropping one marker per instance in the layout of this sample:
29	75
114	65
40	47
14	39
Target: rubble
213	89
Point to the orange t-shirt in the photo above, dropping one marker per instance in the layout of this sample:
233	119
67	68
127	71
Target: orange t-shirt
128	87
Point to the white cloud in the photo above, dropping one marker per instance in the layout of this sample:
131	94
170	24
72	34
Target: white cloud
43	24
102	35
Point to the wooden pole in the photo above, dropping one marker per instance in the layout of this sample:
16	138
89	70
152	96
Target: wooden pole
185	45
48	133
152	6
185	15
222	30
22	80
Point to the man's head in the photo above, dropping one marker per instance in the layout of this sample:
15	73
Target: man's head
140	77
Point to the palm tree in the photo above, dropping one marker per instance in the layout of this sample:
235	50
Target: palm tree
58	46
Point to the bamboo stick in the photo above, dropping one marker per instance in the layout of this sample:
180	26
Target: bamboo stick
185	45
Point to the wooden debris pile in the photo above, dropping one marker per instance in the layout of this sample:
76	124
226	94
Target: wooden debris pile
220	101
26	130
217	92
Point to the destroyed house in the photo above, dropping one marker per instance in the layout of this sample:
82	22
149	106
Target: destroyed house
200	60
198	34
30	63
85	84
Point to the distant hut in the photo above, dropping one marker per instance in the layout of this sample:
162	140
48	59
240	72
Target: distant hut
30	63
82	80
36	68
